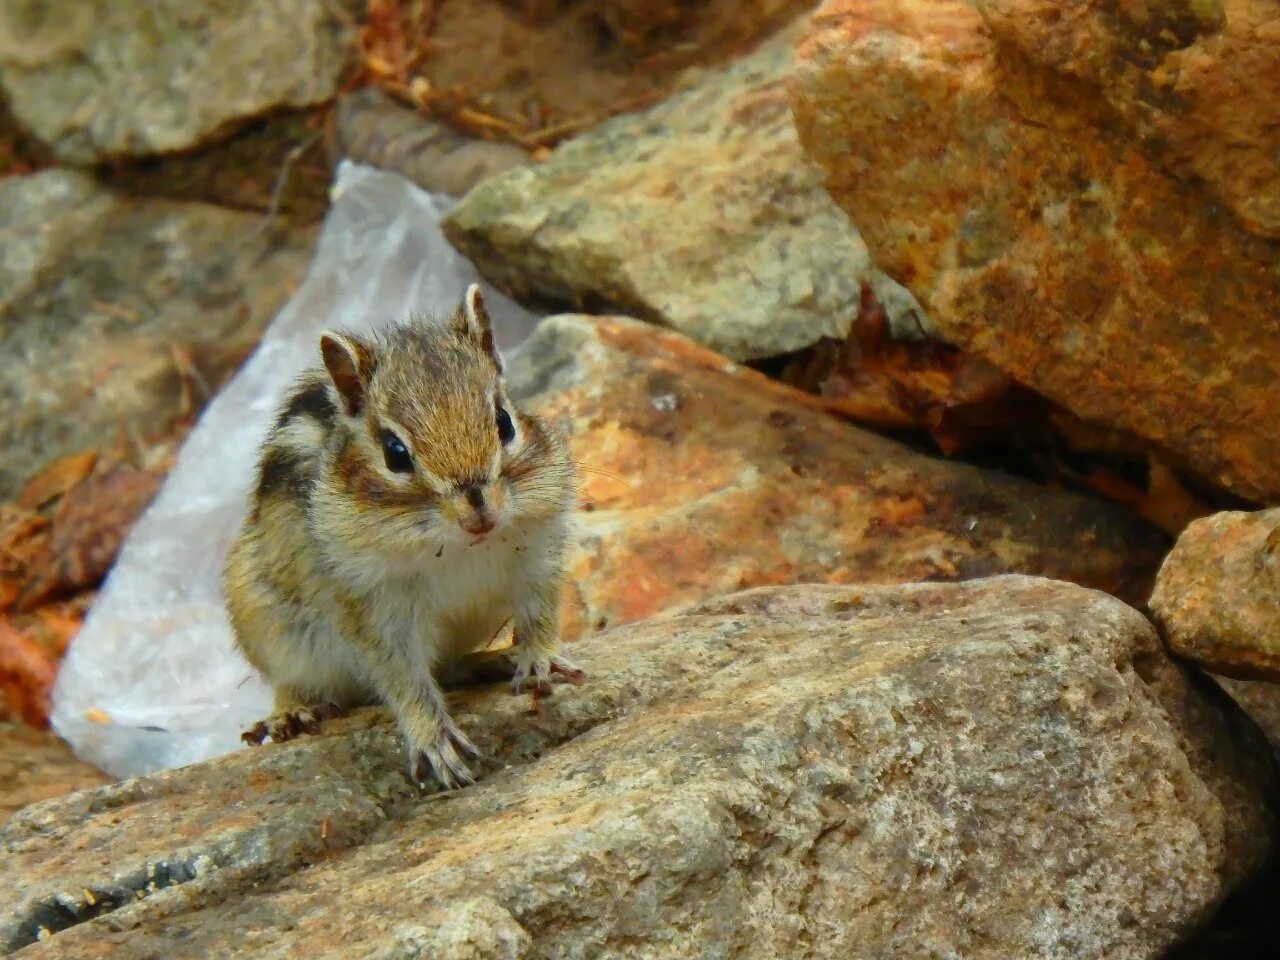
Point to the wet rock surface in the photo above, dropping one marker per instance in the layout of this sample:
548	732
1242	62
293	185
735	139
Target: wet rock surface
120	317
1217	597
112	78
1117	285
826	769
701	213
702	476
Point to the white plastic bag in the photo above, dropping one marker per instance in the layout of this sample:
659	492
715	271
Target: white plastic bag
152	681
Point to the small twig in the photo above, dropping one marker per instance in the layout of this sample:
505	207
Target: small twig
292	157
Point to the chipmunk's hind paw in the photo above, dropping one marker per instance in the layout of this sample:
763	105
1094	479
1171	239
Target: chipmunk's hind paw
289	724
442	760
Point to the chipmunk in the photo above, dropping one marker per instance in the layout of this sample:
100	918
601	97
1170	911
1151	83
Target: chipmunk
405	510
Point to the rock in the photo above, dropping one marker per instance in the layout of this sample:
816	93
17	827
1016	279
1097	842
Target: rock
1086	270
373	129
35	765
543	70
118	317
278	165
1261	701
700	213
700	476
1009	767
1217	597
1197	82
114	78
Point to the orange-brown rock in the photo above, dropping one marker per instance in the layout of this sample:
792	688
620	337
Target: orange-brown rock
1217	597
35	765
1197	80
1041	231
701	476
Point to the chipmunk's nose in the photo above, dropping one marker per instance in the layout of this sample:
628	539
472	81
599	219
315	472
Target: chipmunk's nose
478	521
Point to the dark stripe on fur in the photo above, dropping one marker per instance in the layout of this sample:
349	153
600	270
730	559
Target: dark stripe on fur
310	400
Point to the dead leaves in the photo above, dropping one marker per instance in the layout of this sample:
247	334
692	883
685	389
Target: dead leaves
60	534
965	405
26	678
58	538
962	401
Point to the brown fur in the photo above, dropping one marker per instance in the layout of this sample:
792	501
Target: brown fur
331	587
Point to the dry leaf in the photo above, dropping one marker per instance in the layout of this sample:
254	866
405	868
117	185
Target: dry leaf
56	479
26	678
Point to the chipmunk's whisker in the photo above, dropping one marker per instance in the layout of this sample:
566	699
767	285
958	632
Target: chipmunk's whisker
605	473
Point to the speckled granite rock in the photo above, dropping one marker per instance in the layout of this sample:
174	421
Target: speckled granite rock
119	317
106	78
1217	596
701	213
1123	292
1005	768
702	476
1197	80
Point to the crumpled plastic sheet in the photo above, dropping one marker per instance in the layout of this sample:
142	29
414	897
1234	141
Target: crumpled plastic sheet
152	681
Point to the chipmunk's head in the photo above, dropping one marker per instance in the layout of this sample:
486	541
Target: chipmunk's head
434	448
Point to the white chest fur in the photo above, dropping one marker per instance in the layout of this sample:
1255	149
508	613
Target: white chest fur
456	597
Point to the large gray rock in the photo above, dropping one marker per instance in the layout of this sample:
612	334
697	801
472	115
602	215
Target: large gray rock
98	79
1004	768
118	316
701	213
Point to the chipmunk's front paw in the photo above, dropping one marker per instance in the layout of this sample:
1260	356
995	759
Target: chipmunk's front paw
534	673
441	758
288	724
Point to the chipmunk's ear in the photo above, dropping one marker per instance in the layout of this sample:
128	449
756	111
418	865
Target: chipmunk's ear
350	365
472	318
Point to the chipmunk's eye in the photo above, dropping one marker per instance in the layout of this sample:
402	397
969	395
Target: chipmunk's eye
396	453
506	429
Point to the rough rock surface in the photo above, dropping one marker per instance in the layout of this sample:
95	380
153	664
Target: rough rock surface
1123	292
1217	597
701	213
1005	768
109	78
701	476
1197	81
35	765
119	317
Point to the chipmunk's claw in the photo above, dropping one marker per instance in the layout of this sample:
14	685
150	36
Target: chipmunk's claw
441	760
572	674
289	724
535	676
